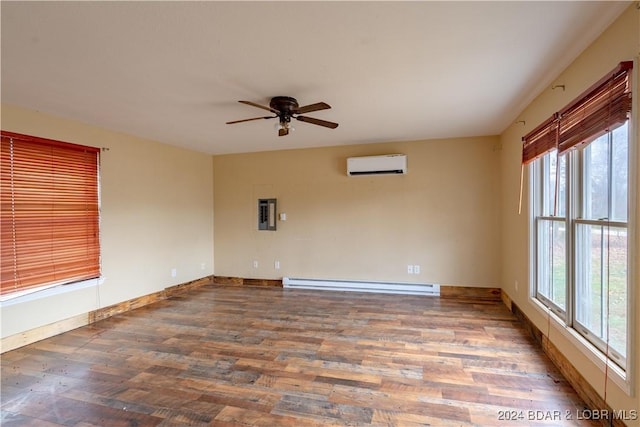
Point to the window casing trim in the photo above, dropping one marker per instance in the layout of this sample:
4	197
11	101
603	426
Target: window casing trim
566	316
625	379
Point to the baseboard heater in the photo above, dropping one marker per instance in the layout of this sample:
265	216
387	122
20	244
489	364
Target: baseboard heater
357	286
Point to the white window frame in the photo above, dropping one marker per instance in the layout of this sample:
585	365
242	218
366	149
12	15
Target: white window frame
622	374
538	169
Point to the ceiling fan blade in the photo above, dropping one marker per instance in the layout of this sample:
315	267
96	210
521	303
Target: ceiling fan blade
312	107
318	122
264	107
248	120
283	131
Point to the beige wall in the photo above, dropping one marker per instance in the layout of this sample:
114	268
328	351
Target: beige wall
156	215
454	213
619	43
443	215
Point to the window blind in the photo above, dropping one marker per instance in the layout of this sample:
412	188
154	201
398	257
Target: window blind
600	109
50	215
540	141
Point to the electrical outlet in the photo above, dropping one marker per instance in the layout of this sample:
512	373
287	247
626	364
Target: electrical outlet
409	269
276	265
416	269
202	266
255	264
174	272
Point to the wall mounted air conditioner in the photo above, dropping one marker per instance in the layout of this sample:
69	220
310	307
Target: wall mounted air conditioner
377	165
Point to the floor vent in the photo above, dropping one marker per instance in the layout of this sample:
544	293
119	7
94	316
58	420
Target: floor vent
357	286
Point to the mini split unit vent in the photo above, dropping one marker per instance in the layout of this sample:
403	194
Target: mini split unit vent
377	165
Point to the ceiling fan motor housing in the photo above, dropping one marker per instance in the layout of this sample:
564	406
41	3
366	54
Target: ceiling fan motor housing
285	105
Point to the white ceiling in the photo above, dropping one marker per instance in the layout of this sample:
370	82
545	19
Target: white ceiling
392	71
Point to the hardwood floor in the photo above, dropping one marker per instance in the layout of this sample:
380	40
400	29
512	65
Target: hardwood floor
231	356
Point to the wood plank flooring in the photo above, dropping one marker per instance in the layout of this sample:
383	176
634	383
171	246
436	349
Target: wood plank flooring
256	356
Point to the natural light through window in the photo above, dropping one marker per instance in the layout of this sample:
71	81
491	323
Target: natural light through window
580	177
581	245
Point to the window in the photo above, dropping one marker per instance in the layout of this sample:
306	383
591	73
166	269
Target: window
601	242
551	231
580	186
49	205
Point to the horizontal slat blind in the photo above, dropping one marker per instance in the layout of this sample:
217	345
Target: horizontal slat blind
50	217
600	109
540	141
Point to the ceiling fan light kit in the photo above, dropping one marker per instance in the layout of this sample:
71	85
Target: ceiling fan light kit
286	108
285	125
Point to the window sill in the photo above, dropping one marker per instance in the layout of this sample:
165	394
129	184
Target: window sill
45	292
617	375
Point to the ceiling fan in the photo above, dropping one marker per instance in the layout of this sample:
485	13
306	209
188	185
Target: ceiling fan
286	108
